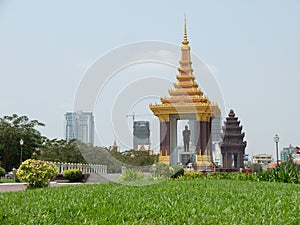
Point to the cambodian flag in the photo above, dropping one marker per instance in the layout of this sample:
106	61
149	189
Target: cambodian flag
297	150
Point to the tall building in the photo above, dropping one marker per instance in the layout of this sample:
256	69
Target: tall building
284	154
216	137
141	135
80	126
216	129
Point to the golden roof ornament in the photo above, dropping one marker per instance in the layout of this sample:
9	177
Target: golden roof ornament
185	39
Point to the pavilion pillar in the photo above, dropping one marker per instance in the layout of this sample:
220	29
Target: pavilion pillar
229	160
224	160
165	138
198	146
209	141
203	136
240	160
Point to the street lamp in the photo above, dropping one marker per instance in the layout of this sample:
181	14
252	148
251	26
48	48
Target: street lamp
276	140
21	143
14	174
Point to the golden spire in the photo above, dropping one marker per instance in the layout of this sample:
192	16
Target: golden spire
185	40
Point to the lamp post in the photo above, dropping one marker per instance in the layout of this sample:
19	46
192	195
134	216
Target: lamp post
21	143
276	140
14	174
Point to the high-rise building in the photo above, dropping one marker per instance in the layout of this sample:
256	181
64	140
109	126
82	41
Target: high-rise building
216	130
284	154
80	126
141	135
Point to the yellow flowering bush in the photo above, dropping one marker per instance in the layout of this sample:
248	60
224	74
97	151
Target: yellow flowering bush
72	175
37	173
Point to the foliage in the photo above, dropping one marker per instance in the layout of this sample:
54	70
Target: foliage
169	202
100	156
131	175
73	175
135	157
37	173
178	171
286	172
12	129
61	151
256	168
2	172
162	170
193	175
219	176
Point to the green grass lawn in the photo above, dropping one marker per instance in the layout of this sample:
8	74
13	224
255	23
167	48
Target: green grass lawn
169	202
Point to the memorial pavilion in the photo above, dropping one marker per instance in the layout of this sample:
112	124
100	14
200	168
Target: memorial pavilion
186	102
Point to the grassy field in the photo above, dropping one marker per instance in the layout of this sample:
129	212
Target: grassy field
169	202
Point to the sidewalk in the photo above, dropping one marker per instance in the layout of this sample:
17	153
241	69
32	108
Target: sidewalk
10	187
5	187
93	179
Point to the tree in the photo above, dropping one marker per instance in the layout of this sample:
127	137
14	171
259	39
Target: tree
256	167
135	157
61	151
12	129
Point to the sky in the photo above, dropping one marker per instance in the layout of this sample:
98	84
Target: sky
252	48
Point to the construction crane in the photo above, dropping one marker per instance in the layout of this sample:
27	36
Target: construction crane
133	115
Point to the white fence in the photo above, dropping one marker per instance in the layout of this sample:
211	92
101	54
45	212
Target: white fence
85	168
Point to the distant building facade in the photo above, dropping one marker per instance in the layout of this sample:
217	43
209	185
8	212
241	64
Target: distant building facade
80	126
262	159
141	135
216	137
284	154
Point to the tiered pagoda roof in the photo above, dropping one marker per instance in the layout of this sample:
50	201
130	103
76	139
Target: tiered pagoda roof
186	97
232	134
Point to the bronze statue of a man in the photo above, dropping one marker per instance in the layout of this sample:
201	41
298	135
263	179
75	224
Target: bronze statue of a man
186	133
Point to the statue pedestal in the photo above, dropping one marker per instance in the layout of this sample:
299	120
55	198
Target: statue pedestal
186	158
164	159
204	161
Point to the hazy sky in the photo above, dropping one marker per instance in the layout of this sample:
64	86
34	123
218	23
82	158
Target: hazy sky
253	48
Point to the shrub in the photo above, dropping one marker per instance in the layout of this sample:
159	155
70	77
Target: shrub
2	172
285	172
193	175
37	173
162	170
131	175
73	175
256	167
178	171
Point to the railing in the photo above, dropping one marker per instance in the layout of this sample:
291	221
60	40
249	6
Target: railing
85	168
